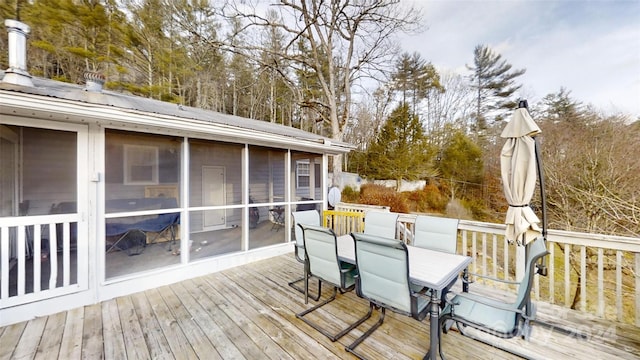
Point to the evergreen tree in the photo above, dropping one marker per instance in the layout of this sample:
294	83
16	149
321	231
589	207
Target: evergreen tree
561	107
414	77
399	150
460	161
493	82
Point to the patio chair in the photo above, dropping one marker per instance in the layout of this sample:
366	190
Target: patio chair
321	261
439	234
380	223
383	280
436	233
307	217
497	317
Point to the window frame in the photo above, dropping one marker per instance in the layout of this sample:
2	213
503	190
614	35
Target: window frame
299	173
128	158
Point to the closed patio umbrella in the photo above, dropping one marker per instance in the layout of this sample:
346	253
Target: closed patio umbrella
518	166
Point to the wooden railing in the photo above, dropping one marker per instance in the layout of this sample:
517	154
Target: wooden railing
348	218
593	273
343	222
37	251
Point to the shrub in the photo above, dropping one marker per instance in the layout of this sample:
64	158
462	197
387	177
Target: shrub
477	209
349	195
372	194
427	200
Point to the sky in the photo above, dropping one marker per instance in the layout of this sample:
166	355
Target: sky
591	48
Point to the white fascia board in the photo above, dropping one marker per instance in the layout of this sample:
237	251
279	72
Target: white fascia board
69	109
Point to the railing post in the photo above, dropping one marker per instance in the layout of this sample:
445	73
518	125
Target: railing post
637	272
520	260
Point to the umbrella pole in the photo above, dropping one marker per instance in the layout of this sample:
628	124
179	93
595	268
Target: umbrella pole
542	268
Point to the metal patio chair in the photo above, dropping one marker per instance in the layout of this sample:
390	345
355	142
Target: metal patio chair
306	217
497	317
321	261
439	234
436	233
383	280
380	223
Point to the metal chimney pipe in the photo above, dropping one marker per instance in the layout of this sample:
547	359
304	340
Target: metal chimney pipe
17	71
93	81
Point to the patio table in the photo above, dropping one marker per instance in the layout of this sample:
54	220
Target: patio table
429	268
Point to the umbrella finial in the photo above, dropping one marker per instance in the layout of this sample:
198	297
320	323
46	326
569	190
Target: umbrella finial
523	104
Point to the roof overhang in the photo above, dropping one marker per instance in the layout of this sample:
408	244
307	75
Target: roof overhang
38	104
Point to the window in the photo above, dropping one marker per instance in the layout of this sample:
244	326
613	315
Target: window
140	164
302	174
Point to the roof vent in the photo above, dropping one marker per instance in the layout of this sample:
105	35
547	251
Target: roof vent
93	81
17	71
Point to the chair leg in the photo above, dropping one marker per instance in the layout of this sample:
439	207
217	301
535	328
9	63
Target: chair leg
332	337
306	289
351	348
294	285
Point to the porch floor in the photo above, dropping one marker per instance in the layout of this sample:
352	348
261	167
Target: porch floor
248	312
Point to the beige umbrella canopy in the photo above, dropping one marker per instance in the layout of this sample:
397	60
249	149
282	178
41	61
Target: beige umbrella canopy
518	169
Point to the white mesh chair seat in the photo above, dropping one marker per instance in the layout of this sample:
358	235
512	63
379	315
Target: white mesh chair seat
496	317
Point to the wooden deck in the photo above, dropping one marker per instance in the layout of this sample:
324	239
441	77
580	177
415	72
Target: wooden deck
249	313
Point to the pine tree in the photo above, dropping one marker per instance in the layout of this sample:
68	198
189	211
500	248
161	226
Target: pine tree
414	77
493	81
399	150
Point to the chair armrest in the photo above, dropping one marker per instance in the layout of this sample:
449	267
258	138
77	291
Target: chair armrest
490	278
485	302
422	293
345	267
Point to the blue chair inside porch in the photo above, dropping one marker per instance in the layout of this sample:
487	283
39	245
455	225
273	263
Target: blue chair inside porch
306	217
321	261
380	223
383	280
439	234
497	317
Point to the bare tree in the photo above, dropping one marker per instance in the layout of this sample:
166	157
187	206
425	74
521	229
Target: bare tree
450	107
338	42
588	169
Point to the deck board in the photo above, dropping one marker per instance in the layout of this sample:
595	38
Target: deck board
198	340
30	338
248	312
134	341
92	338
71	342
155	339
112	334
177	340
49	345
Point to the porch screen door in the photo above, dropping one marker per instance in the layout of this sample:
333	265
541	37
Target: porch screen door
43	224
